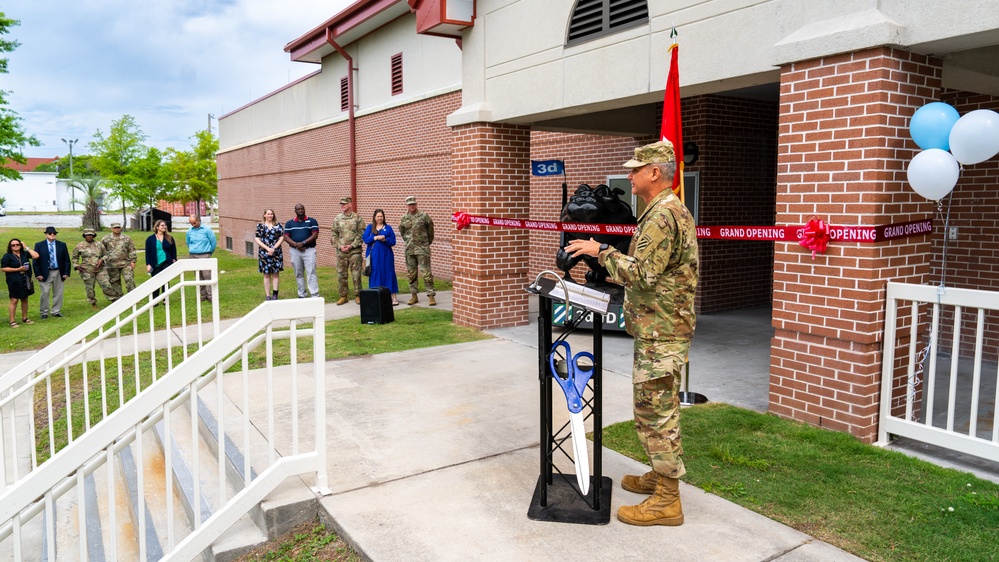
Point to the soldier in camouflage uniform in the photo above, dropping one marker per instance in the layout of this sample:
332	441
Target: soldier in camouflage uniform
347	239
417	229
659	274
119	260
89	259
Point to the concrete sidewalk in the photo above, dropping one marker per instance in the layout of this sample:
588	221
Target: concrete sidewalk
434	456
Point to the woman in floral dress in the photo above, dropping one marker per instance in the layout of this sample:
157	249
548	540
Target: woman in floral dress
270	258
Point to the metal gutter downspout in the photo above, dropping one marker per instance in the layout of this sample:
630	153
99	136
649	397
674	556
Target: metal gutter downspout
352	139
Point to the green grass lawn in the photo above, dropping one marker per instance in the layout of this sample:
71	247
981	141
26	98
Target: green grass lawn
875	503
240	288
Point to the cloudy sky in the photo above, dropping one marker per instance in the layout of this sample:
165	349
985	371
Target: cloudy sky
169	63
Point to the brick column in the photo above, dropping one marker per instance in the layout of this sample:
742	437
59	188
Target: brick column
491	169
843	149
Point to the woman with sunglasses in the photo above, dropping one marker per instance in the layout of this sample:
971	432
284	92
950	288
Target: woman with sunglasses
16	264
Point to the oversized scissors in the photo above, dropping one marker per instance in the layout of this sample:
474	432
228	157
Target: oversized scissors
572	379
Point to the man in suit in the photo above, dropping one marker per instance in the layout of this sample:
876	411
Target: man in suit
52	267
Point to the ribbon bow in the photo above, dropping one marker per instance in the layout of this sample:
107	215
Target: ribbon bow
815	236
461	220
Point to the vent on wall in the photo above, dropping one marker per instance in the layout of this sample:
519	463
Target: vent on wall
397	74
344	98
249	249
228	243
596	18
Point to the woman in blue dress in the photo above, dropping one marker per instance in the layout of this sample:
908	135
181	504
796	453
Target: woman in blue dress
270	259
380	238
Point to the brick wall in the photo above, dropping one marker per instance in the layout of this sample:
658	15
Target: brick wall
844	145
491	175
312	168
737	139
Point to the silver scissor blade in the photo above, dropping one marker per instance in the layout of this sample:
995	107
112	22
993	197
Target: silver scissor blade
580	453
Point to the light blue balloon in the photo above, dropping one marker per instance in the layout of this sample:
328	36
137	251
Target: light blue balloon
931	124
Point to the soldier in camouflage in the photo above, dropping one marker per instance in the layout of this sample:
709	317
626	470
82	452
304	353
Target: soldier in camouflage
347	239
119	260
659	274
417	229
89	259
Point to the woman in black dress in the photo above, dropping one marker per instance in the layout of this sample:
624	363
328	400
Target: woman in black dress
16	265
270	258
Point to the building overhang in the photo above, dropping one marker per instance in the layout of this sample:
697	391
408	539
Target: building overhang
354	22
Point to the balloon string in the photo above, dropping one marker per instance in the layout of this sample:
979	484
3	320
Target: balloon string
943	262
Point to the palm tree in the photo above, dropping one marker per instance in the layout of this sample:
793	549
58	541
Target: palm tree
92	191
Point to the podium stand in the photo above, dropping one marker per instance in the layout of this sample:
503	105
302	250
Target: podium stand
557	497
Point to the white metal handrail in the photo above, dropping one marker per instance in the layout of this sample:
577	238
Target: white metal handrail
100	338
940	405
276	453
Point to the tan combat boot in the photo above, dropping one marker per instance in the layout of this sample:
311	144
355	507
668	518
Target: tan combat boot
661	508
343	300
413	300
431	300
644	484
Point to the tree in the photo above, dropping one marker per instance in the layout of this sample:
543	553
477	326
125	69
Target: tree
115	158
82	166
151	182
91	189
12	135
194	172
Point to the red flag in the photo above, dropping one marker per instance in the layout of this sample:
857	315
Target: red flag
671	129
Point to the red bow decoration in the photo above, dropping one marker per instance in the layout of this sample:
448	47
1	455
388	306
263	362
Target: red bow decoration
461	220
815	236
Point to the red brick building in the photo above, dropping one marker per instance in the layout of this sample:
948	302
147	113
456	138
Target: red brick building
798	110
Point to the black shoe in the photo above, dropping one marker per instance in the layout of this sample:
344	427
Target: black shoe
45	316
57	315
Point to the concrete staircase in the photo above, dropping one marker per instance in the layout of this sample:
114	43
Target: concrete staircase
115	520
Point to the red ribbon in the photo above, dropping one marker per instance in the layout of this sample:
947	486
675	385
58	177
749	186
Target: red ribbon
461	220
815	236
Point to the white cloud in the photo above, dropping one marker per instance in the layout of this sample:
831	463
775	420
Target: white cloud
84	63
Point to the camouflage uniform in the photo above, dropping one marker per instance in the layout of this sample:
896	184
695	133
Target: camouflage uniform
348	230
89	257
417	231
119	260
660	278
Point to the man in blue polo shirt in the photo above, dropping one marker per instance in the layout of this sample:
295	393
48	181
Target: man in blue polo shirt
301	233
201	244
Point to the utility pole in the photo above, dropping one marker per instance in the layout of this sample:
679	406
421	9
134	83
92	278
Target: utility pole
70	143
210	117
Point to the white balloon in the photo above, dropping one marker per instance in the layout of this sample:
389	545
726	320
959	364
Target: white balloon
933	173
975	136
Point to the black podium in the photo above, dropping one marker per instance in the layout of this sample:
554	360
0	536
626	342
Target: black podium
557	497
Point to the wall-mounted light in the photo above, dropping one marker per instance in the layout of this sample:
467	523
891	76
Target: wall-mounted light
690	153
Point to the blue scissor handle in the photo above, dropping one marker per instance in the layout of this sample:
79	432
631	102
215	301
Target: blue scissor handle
577	376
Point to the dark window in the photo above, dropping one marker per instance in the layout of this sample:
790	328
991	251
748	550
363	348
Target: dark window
596	18
344	98
249	249
396	74
228	243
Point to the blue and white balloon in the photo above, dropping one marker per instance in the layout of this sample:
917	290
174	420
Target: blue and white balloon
931	124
